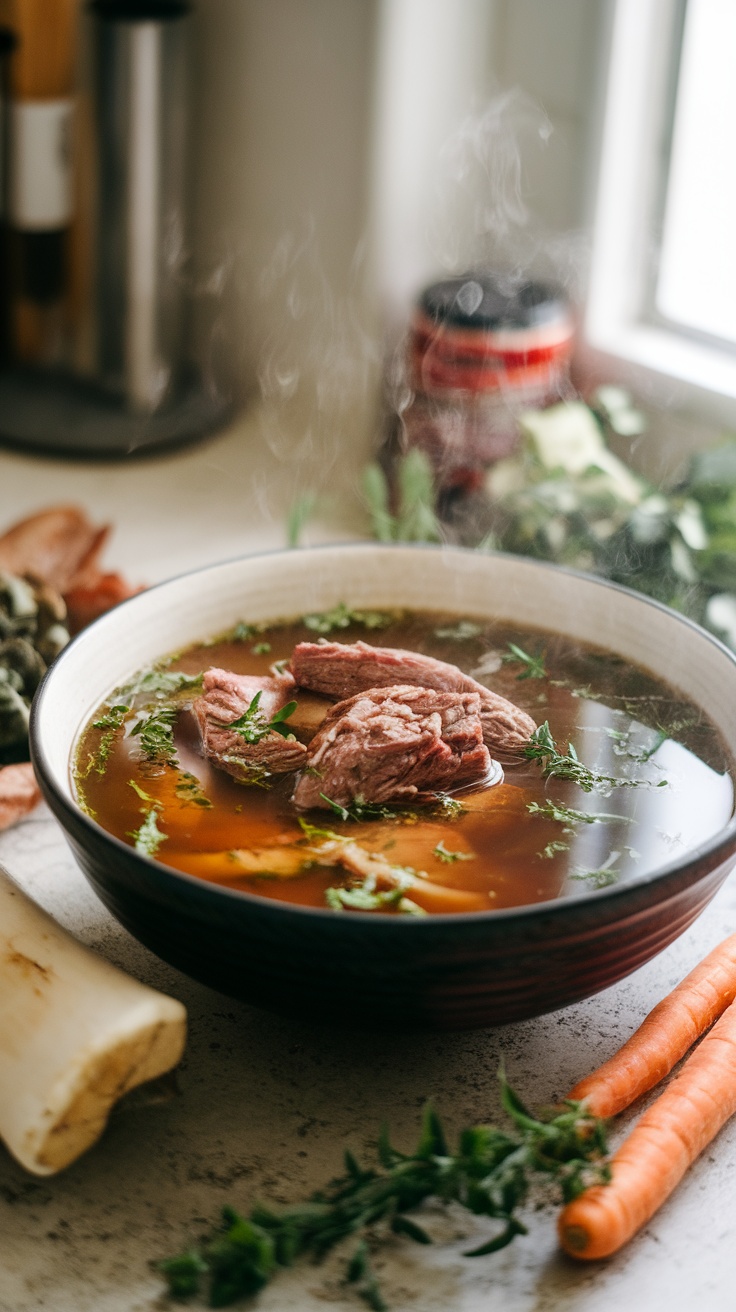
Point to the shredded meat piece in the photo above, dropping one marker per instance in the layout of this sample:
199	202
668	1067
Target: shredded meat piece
391	744
342	670
224	699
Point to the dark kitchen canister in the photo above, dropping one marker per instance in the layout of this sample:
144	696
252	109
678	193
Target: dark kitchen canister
479	350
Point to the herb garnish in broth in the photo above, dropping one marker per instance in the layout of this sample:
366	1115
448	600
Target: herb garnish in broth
534	667
533	835
252	725
567	765
341	617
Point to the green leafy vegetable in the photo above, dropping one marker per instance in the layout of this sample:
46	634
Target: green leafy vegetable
341	617
415	519
489	1174
448	857
261	648
302	510
534	667
252	725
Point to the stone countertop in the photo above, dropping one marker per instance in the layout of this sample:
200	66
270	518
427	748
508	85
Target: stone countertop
266	1105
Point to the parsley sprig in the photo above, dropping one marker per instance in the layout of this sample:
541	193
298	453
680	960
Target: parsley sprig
253	725
489	1174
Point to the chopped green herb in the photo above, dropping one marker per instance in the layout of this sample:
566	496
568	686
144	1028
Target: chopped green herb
261	649
188	789
341	617
278	667
534	667
602	878
250	774
568	816
111	722
461	632
156	735
252	725
148	838
552	849
489	1174
158	682
358	809
542	747
448	807
448	857
144	796
114	717
314	832
244	632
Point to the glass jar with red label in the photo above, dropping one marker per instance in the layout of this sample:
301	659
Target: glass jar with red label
480	349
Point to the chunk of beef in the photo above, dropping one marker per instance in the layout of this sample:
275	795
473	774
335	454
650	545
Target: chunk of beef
342	670
224	698
392	744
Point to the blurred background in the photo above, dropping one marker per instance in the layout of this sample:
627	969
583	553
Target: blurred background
348	230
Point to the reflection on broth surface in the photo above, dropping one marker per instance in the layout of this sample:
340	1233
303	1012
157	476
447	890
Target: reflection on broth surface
654	781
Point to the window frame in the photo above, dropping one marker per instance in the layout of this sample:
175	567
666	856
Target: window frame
623	335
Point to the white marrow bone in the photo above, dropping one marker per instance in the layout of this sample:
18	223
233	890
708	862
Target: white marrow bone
76	1034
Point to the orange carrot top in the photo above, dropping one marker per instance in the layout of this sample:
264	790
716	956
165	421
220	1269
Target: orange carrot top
664	1037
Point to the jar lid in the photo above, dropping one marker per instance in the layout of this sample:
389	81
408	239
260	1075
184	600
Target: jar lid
481	301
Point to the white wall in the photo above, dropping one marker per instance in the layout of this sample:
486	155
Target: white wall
346	151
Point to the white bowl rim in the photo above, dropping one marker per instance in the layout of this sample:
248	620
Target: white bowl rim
722	844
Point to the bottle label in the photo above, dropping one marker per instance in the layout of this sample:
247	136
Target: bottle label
41	193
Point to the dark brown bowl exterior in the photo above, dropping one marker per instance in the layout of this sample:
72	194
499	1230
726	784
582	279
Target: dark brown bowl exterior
445	972
450	972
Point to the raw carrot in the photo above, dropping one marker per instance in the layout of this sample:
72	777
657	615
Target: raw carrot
655	1156
668	1032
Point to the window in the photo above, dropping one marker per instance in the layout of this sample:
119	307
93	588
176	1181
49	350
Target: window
662	292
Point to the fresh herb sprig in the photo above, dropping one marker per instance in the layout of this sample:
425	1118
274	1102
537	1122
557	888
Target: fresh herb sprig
359	809
567	815
158	682
155	734
489	1174
148	838
533	664
111	722
449	857
342	616
253	725
567	765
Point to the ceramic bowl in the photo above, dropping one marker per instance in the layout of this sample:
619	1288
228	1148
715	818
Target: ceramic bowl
443	971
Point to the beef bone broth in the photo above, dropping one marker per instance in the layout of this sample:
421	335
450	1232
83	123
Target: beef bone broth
612	773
